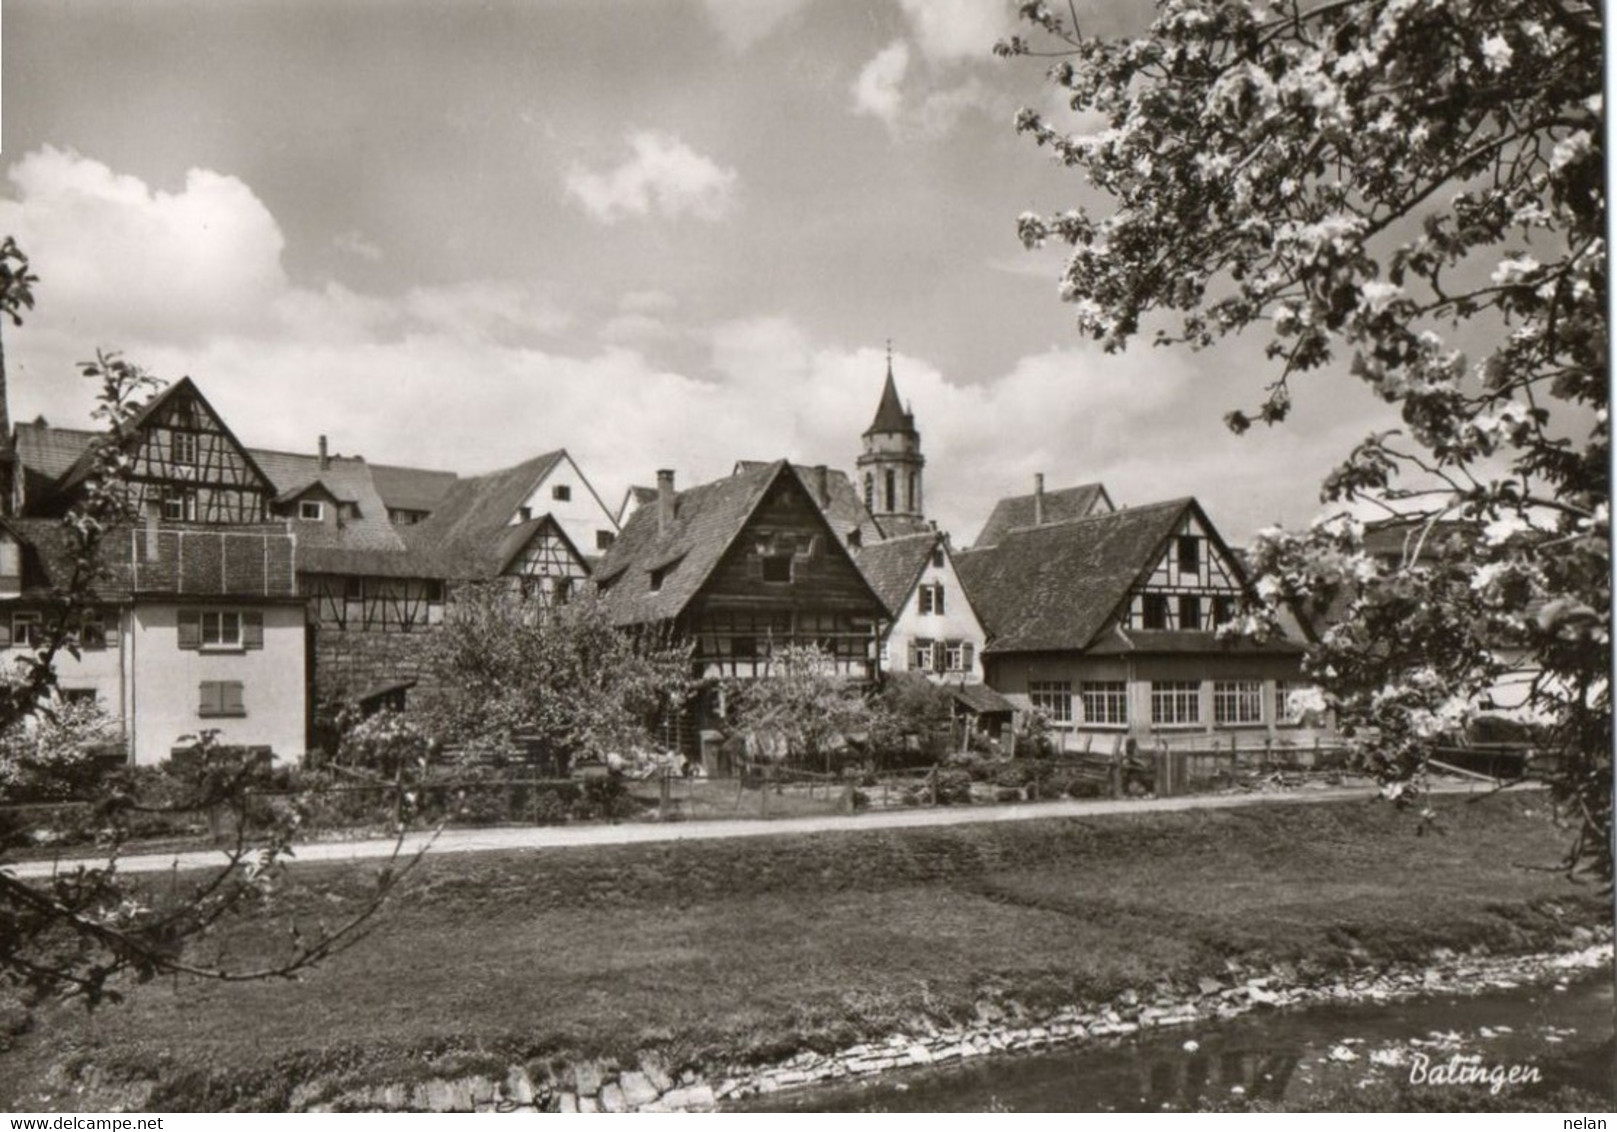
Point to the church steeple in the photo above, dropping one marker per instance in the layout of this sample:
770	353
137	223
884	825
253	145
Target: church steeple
890	466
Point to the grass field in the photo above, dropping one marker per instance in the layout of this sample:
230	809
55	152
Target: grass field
756	948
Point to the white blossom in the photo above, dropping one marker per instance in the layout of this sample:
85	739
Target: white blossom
1496	53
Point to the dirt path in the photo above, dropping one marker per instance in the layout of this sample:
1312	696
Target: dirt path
559	837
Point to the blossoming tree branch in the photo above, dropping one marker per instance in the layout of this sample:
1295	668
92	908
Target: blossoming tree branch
1413	189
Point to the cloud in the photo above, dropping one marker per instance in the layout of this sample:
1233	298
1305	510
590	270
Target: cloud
355	244
663	174
743	23
481	374
951	30
876	91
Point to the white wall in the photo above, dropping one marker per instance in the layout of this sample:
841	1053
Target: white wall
957	622
583	516
164	689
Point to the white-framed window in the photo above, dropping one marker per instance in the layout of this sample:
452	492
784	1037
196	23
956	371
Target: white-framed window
312	510
27	630
1291	701
1106	703
1053	698
955	656
221	629
1237	701
182	447
220	698
1176	703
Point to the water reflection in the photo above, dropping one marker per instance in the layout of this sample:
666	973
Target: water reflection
1282	1058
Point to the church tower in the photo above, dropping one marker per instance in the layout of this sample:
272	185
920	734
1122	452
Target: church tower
890	466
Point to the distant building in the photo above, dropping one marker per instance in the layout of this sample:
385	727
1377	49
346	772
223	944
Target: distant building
934	630
1107	626
891	466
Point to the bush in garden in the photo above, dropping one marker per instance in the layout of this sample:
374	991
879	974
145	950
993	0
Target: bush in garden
953	787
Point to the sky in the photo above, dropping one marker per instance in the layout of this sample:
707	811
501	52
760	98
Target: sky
457	234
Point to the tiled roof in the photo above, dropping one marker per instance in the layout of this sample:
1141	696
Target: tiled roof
1178	642
707	519
1054	587
1016	511
892	567
189	560
48	450
471	523
979	698
411	489
347	478
639	496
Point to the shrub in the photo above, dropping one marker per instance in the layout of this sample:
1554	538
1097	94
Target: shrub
953	787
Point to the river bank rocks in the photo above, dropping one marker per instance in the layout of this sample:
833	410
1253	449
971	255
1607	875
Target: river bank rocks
650	1085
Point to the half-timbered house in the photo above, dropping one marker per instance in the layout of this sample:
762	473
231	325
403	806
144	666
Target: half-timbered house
742	567
1108	625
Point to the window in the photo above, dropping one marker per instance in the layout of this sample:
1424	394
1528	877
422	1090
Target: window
1053	698
220	629
84	696
1237	701
1189	553
433	590
885	662
1106	703
921	655
563	590
1154	611
954	659
312	510
524	514
180	506
604	540
1175	702
870	492
1190	611
220	698
182	447
932	597
909	495
891	493
855	539
1223	610
27	632
777	567
561	493
1292	701
657	577
93	632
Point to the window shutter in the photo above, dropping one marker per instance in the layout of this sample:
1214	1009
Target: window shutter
252	629
190	628
968	654
230	698
209	698
937	598
940	656
5	634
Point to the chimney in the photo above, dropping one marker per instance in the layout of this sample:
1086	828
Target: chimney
822	489
1038	499
665	499
325	458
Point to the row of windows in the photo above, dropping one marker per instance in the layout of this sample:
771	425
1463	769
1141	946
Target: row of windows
1174	703
27	631
942	656
1184	611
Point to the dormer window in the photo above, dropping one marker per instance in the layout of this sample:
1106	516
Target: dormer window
657	577
311	510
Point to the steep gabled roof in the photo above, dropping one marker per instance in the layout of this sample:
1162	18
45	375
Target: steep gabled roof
707	521
468	526
1055	587
893	567
844	510
514	540
1017	511
411	489
83	466
48	451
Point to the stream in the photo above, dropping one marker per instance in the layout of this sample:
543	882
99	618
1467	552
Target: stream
1281	1057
